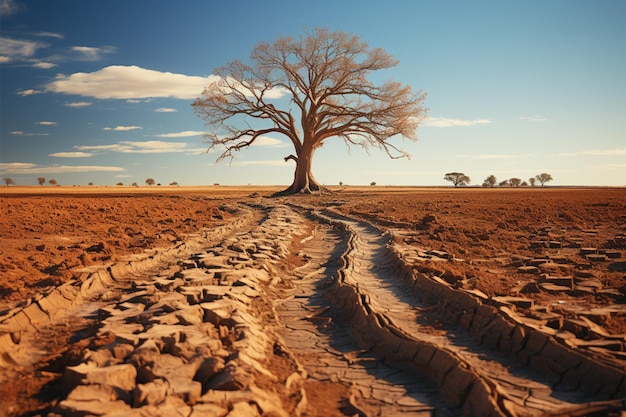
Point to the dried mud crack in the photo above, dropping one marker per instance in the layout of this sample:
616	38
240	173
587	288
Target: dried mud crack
290	311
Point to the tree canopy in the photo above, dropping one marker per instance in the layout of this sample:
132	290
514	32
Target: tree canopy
309	90
457	178
543	178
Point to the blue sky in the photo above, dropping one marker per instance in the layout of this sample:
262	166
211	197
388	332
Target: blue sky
101	92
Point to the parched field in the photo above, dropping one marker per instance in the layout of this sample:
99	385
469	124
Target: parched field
224	301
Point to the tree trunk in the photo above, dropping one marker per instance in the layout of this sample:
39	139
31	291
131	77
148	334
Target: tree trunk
303	179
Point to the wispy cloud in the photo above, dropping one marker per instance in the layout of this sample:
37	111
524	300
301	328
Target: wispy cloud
46	123
10	7
123	128
269	142
29	168
90	53
44	65
607	167
49	35
266	162
20	133
184	134
165	110
447	122
534	119
78	104
71	155
151	146
19	48
597	152
28	92
496	156
129	82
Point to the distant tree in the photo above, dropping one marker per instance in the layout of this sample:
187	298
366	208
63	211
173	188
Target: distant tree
373	183
150	181
515	182
491	181
41	180
532	181
543	178
524	184
340	183
119	183
9	181
91	183
324	74
52	182
135	184
457	178
504	183
174	184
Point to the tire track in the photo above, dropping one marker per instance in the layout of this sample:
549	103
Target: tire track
391	319
321	343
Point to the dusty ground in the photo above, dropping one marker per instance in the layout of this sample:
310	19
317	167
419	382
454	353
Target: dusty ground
513	242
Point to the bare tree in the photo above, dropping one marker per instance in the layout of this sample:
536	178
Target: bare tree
532	181
8	181
41	180
324	75
490	181
515	182
543	178
150	181
457	178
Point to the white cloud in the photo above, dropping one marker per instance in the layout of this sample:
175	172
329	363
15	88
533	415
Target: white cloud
151	146
78	104
165	110
447	122
28	168
266	162
133	82
132	101
28	92
534	119
20	133
269	142
495	156
49	35
18	48
44	65
597	152
46	123
90	53
607	167
123	128
10	7
71	155
183	134
130	82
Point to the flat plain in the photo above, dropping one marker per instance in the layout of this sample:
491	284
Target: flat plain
358	301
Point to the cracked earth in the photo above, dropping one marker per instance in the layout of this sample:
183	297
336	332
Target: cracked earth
306	307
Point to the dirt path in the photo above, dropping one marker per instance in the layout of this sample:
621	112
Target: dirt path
286	311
